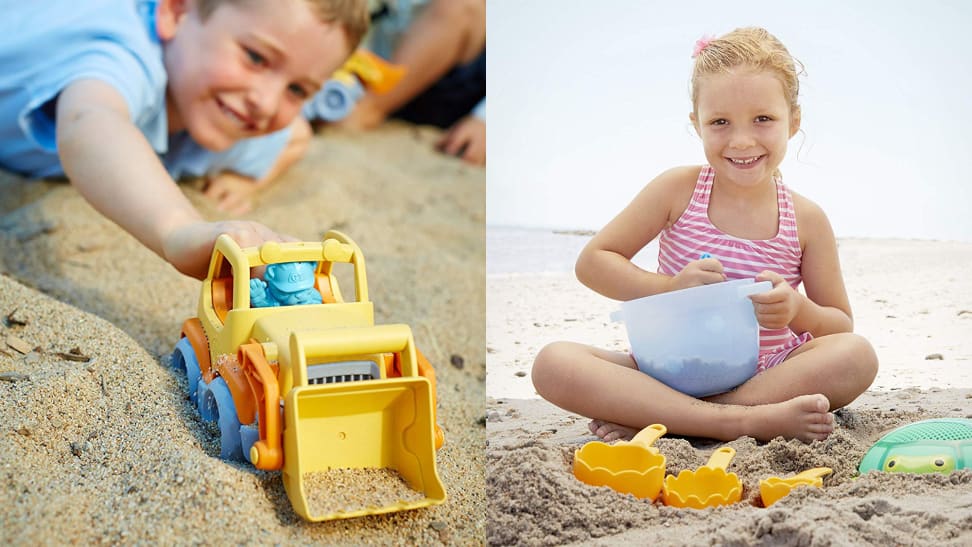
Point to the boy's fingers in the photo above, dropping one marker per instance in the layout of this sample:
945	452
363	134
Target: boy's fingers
474	154
234	204
452	143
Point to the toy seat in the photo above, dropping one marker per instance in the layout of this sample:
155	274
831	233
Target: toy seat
323	285
222	297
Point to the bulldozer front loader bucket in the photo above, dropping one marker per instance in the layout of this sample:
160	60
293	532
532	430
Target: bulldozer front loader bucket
358	425
337	428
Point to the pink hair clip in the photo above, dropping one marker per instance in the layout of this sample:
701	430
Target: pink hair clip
701	44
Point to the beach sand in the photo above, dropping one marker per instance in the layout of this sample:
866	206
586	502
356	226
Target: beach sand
911	299
99	441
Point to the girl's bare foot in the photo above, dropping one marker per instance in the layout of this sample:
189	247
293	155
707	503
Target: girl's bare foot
806	418
609	431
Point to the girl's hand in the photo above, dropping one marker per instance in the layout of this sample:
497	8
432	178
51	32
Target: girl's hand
777	307
700	272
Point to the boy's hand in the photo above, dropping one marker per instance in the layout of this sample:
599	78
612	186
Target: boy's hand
699	272
231	192
777	307
190	246
467	140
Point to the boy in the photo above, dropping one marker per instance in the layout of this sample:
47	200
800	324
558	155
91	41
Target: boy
121	97
442	44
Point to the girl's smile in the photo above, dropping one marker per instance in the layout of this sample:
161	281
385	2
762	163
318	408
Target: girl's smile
745	122
746	163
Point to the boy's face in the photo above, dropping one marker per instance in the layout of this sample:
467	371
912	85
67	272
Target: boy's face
745	122
247	69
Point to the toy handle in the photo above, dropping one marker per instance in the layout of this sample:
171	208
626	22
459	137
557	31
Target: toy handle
647	436
813	474
720	458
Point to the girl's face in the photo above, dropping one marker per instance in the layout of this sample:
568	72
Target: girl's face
744	121
247	69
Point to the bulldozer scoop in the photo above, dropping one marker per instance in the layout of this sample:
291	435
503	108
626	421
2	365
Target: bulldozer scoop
360	448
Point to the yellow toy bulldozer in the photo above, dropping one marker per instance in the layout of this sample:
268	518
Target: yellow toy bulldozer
312	389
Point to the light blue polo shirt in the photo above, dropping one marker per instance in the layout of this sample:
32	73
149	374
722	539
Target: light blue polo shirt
44	46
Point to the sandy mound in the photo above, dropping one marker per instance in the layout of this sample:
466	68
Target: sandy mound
537	501
103	446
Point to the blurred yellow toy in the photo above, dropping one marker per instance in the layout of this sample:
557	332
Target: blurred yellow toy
314	388
363	70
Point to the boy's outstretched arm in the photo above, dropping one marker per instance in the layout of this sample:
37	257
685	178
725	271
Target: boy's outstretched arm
115	169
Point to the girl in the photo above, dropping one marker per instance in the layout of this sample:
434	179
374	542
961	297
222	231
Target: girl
745	109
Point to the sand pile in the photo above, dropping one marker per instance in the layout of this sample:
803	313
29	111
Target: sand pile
103	445
537	501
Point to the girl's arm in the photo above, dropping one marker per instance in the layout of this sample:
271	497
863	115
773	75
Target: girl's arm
115	169
605	263
825	309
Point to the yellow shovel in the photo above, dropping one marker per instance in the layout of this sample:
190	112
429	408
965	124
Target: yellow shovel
774	488
707	486
633	467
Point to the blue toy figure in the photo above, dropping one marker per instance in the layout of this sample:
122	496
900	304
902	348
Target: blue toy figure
287	284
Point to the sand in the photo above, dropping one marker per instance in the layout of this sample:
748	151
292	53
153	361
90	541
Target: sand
912	299
99	442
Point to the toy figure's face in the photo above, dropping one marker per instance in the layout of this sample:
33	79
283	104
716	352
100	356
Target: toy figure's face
290	277
247	69
745	122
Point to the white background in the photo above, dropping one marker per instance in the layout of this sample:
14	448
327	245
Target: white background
588	101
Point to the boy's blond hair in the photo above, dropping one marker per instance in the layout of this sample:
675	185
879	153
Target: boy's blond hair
752	47
351	15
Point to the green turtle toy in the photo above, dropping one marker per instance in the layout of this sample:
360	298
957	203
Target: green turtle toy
940	445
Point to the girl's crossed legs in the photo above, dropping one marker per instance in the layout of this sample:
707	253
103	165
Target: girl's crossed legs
792	399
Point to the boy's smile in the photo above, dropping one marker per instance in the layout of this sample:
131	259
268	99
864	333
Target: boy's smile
744	121
246	69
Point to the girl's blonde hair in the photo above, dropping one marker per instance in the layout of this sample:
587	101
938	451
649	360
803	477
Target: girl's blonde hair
752	47
350	15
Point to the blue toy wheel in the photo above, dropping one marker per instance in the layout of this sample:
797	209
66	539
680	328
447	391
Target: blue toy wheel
219	400
205	402
184	360
249	434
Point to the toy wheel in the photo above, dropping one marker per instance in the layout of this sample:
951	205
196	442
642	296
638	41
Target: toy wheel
219	398
184	360
249	434
205	402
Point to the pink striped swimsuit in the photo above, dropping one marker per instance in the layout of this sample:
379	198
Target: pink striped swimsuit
693	234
